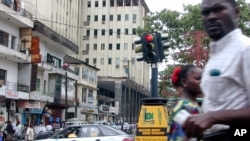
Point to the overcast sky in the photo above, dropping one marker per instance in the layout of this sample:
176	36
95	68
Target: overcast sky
158	5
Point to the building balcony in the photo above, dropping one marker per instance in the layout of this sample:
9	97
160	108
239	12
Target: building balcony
42	95
12	12
14	52
13	90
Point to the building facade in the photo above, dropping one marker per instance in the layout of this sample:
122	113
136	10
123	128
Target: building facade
109	29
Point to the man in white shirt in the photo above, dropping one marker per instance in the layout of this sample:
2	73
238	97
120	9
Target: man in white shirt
225	81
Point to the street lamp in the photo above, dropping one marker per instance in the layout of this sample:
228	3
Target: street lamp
65	67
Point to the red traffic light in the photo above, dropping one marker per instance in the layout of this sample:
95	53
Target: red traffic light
149	37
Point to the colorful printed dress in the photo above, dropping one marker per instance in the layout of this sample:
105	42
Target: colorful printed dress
176	133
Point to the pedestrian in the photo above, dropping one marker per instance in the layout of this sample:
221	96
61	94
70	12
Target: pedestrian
4	131
187	79
18	129
9	131
225	81
30	133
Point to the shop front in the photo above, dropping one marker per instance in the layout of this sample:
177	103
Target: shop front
31	111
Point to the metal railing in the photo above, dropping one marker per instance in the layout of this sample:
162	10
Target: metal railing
8	43
16	87
17	8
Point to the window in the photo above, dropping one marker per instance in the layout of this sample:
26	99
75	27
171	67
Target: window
87	32
110	46
103	32
133	46
103	17
118	46
134	17
88	18
53	60
94	46
110	61
87	60
102	61
119	17
125	46
94	60
102	46
95	32
85	73
87	47
4	38
117	61
112	3
126	17
110	17
38	84
96	3
110	32
134	31
126	31
89	3
3	74
103	3
84	94
92	76
118	31
96	18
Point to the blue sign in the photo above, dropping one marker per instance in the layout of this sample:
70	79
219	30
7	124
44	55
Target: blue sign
58	119
36	111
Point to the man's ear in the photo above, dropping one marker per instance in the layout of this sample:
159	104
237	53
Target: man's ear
237	12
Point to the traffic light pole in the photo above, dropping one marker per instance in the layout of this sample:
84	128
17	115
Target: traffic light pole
154	74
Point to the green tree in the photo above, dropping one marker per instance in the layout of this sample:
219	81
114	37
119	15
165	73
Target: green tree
179	26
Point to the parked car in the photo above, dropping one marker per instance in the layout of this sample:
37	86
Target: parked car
41	132
90	132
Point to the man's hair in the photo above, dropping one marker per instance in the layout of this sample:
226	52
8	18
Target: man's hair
233	3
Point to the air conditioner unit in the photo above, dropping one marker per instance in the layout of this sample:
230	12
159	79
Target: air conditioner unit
85	37
13	105
134	21
86	23
117	66
103	22
118	36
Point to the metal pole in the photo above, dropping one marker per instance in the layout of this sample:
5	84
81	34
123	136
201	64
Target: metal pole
154	92
66	95
76	99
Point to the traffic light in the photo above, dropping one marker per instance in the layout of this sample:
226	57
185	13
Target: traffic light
148	47
162	46
138	49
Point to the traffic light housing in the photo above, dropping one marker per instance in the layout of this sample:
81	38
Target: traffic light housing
149	47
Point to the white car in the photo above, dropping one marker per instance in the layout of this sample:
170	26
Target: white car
90	132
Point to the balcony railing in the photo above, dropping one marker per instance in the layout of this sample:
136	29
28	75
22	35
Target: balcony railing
17	7
45	92
16	87
11	43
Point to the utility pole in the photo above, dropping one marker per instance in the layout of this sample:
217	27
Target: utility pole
66	95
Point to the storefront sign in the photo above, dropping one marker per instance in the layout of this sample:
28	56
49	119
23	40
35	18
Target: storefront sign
29	104
104	108
23	95
36	111
2	92
11	94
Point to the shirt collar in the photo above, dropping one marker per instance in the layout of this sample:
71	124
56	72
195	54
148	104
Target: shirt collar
217	46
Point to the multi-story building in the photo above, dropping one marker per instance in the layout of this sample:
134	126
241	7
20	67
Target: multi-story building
14	56
109	29
62	16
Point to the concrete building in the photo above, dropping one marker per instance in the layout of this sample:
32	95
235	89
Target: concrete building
109	29
14	56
